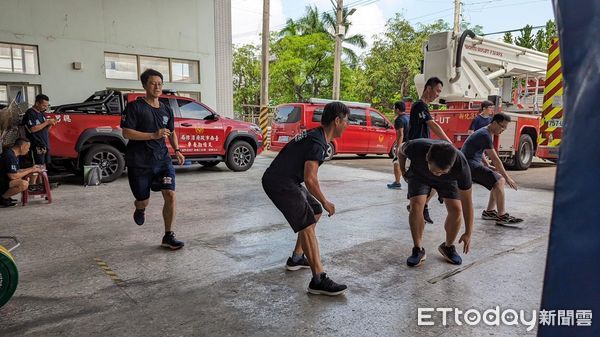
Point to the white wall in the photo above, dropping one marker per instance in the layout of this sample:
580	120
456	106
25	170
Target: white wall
68	31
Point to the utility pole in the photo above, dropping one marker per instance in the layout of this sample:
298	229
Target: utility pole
457	11
263	117
339	33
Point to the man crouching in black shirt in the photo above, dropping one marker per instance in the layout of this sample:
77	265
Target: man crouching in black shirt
299	162
437	164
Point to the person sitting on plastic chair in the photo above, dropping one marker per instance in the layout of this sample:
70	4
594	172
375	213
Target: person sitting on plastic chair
11	175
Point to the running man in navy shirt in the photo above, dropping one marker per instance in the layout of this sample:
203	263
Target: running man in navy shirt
299	162
484	118
146	123
494	179
401	126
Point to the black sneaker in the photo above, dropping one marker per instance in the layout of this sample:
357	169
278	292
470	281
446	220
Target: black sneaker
489	215
425	214
169	241
301	264
139	216
506	219
326	287
417	257
450	254
8	202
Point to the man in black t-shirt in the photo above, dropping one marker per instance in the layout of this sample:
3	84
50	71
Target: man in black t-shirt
421	121
299	162
37	128
437	164
146	123
11	174
401	126
495	179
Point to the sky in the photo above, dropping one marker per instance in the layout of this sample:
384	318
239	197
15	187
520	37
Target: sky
371	15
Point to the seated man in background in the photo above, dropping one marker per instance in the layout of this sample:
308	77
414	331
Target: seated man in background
11	175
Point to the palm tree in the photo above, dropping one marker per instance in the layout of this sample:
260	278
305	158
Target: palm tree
314	22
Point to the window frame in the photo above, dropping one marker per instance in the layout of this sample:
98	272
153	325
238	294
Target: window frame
11	46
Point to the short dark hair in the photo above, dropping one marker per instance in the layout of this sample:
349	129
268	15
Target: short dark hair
333	110
41	97
21	141
150	72
433	81
500	117
442	154
485	104
400	106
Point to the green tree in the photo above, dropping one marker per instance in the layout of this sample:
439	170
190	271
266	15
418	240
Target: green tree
526	39
246	77
302	68
315	22
477	29
543	37
508	38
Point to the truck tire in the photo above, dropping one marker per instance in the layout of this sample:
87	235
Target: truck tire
110	160
525	153
329	152
240	156
209	163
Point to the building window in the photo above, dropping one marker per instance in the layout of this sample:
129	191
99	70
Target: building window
157	63
3	95
17	58
9	92
121	66
185	71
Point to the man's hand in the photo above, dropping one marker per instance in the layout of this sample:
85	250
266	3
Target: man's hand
51	121
329	207
512	183
180	157
162	133
466	239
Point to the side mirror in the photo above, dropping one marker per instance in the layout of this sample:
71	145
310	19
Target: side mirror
212	117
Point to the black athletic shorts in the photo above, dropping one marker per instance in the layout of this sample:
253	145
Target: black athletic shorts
420	186
142	180
484	176
298	206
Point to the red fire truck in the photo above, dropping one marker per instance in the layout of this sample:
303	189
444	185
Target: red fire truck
475	69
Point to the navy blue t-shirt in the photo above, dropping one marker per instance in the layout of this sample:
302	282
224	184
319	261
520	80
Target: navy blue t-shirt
9	163
289	163
31	119
419	116
141	116
416	151
479	121
402	122
475	144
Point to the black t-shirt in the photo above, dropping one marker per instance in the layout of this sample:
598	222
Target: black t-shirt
9	163
31	119
475	144
401	122
141	116
289	163
419	116
416	151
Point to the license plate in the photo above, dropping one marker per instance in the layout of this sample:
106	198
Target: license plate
284	139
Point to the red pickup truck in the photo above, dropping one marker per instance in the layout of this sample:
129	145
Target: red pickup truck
88	133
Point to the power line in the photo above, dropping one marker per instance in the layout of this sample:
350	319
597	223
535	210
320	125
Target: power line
512	30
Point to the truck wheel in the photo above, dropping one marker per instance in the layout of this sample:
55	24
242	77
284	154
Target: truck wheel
525	153
209	163
240	156
108	158
329	152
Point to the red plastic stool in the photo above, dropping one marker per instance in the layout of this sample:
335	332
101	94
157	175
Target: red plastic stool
43	193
